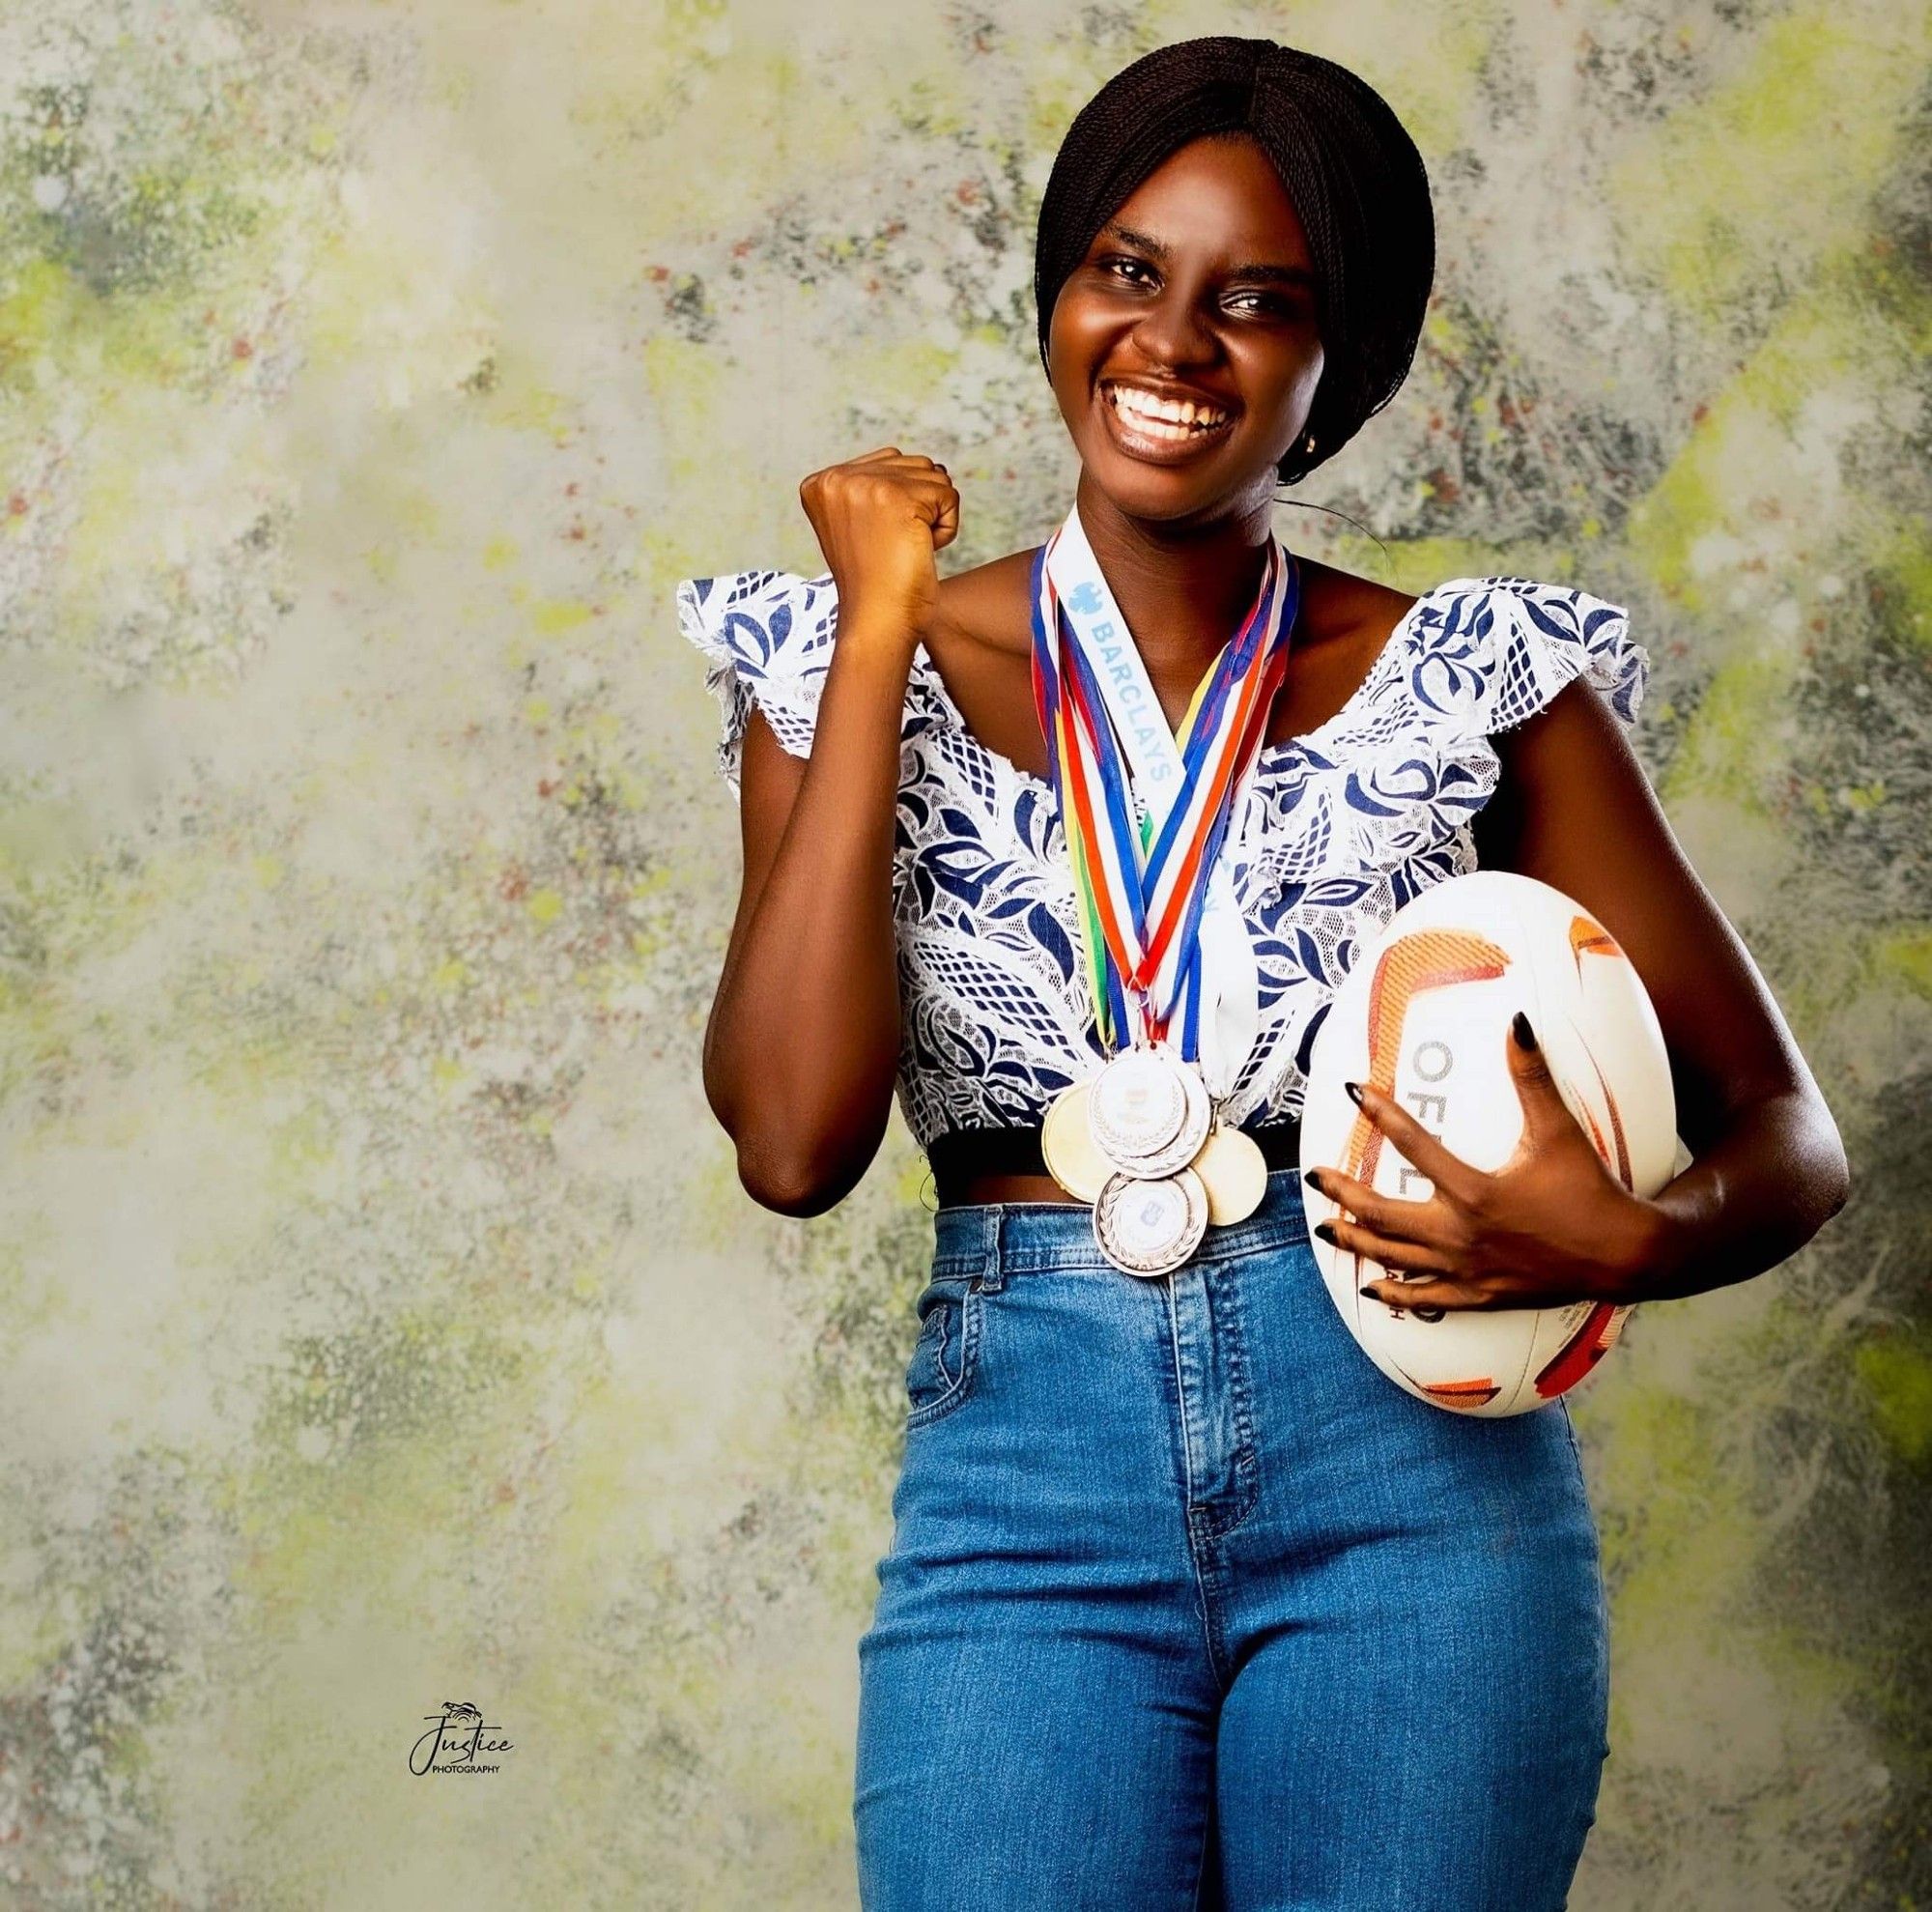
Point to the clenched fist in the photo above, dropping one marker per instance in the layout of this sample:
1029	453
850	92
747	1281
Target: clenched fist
880	519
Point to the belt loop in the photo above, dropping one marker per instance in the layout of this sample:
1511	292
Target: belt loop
992	1276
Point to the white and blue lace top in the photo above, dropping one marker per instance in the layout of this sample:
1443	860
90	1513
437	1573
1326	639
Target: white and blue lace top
1339	827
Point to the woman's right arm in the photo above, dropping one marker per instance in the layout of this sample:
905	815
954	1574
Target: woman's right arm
802	1042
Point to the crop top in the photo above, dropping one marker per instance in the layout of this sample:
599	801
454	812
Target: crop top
1339	827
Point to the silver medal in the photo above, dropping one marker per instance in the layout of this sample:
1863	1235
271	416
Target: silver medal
1149	1226
1150	1110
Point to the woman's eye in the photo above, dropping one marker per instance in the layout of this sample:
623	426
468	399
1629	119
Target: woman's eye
1126	270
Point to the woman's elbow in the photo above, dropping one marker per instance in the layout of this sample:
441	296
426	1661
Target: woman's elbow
1837	1170
799	1182
800	1195
1827	1173
769	1170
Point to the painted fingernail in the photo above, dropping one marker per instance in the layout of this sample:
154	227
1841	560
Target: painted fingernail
1325	1233
1313	1180
1524	1034
1354	1090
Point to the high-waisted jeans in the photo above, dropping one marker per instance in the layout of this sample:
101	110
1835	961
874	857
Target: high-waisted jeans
1187	1605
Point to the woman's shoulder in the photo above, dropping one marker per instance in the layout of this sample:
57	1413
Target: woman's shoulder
1338	603
1491	651
1352	617
1470	656
1335	602
760	621
766	636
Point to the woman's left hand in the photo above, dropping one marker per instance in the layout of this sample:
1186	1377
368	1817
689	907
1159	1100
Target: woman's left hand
1549	1227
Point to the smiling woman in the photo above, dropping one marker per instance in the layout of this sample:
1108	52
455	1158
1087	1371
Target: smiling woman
1138	303
1073	850
1341	243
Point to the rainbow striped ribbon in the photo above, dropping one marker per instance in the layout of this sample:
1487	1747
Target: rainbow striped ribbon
1141	884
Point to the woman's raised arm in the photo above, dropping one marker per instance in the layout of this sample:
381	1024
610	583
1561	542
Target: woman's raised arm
802	1044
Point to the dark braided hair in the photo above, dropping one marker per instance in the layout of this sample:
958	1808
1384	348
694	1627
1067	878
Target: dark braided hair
1358	185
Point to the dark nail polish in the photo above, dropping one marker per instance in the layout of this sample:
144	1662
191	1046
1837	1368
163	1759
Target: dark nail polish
1524	1034
1312	1178
1354	1090
1325	1233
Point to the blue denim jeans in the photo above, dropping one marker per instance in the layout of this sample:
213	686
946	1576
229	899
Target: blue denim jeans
1188	1606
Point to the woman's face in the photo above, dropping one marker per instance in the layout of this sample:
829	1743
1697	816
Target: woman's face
1201	290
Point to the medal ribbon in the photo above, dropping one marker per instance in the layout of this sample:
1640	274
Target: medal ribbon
1141	882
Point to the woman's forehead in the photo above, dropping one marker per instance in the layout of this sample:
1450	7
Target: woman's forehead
1223	195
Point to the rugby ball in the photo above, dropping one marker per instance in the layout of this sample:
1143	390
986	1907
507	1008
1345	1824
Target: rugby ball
1424	1015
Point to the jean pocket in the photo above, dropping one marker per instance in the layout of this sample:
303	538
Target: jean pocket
939	1376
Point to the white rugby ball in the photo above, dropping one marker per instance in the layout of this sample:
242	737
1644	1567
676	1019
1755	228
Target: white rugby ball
1424	1015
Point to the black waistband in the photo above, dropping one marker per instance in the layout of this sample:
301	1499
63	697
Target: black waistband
961	1154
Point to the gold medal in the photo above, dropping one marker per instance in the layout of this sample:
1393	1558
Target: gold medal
1073	1159
1235	1173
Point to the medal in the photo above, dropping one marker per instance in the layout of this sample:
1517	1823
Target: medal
1149	1111
1144	812
1151	1227
1235	1173
1073	1159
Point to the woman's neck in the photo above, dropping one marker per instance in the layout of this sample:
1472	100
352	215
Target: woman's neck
1185	591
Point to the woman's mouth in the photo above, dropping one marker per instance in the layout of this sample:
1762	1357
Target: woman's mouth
1161	430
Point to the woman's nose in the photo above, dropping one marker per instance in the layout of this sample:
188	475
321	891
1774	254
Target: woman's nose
1171	331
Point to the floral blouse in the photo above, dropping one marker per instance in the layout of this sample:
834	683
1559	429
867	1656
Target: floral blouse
1339	827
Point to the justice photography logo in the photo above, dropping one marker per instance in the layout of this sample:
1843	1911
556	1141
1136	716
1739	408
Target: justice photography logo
456	1741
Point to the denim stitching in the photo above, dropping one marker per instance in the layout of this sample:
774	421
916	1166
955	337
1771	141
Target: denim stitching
1188	1508
1207	1840
942	1405
1085	1258
1245	1455
1596	1546
945	1313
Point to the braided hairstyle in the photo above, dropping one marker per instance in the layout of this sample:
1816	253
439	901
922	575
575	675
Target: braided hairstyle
1356	180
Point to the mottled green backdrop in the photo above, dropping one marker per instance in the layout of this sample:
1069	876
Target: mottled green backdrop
382	1325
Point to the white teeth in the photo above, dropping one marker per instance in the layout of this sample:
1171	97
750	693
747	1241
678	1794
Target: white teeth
1163	418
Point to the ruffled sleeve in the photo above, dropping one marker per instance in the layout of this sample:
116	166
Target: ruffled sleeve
767	639
1490	652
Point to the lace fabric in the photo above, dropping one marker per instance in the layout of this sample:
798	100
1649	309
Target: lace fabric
1341	827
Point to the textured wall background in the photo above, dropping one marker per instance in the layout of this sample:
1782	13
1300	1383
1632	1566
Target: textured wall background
380	1323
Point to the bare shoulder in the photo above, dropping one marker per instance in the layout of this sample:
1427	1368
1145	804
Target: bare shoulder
981	642
988	606
1342	627
1340	604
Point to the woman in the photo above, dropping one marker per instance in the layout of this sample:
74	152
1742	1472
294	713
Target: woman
1186	1604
